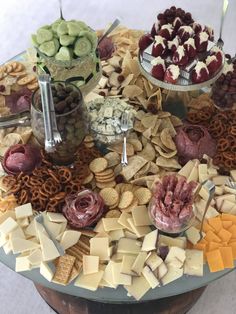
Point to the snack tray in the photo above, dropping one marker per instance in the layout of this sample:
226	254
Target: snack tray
183	84
119	295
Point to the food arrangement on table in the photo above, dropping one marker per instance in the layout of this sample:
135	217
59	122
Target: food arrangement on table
69	206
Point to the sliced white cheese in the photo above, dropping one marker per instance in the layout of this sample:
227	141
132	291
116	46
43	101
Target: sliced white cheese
227	189
219	190
90	282
46	271
227	206
100	247
233	210
129	234
129	246
49	250
161	271
126	265
63	227
7	248
116	234
56	217
3	239
138	288
23	222
233	174
153	261
108	276
99	227
118	277
140	216
22	264
17	233
123	220
200	206
7	214
90	264
203	172
138	264
30	229
193	176
168	241
219	180
8	225
186	169
24	211
117	257
175	253
139	231
150	277
193	264
20	245
193	235
172	274
69	238
35	257
53	227
221	198
150	241
111	224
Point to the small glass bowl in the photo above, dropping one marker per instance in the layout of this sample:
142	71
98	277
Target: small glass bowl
72	125
165	227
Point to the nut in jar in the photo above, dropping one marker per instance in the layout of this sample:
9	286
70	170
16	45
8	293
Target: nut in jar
71	116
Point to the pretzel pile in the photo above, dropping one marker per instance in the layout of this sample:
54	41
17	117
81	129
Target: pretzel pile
222	127
47	186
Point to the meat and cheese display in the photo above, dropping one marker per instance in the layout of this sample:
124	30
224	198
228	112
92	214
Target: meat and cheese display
137	225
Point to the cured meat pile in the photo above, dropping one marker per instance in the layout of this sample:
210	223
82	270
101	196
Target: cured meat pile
192	142
21	158
172	204
106	48
83	209
19	101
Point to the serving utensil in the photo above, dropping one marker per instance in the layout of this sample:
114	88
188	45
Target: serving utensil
124	127
220	42
17	119
40	219
211	190
60	8
109	30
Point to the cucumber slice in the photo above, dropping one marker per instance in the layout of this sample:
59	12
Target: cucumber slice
48	48
64	54
43	35
83	47
82	25
57	44
74	29
62	28
92	37
34	40
66	40
55	25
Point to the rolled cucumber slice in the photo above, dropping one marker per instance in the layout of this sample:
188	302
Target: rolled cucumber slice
48	48
55	25
43	35
66	40
92	37
62	28
34	40
82	47
64	54
74	28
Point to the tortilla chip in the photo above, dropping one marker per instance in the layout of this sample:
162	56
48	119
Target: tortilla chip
148	152
153	168
136	144
166	124
165	154
167	139
176	121
171	163
119	148
156	127
140	114
132	91
134	165
149	121
148	133
127	80
138	126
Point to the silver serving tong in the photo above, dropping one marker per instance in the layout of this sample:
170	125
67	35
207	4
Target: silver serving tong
211	190
14	120
220	42
52	135
109	30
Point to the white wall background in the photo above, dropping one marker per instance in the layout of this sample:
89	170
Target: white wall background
20	18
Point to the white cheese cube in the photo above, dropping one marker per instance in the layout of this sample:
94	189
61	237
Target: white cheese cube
46	271
90	282
172	274
193	264
150	241
100	247
69	238
8	226
150	277
24	211
22	264
153	261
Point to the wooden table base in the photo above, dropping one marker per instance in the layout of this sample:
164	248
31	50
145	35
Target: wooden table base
67	304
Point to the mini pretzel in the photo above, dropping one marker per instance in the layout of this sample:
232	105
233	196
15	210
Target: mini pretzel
23	197
15	188
60	196
50	187
228	164
9	181
53	175
65	175
218	160
229	155
204	115
223	144
232	130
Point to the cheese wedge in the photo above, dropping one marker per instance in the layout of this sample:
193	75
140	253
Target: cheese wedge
46	271
150	277
24	211
49	250
150	241
172	274
138	288
20	245
8	225
69	238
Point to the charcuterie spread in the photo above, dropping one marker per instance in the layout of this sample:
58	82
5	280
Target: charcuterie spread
142	222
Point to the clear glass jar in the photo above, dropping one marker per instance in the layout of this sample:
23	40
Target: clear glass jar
72	123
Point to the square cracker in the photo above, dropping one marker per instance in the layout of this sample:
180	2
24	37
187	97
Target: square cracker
64	268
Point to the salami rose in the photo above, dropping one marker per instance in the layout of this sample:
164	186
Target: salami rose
21	158
83	209
106	48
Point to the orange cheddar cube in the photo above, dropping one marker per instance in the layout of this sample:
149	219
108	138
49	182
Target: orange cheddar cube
211	236
232	230
233	246
213	246
229	217
224	235
227	256
226	224
215	261
215	223
207	227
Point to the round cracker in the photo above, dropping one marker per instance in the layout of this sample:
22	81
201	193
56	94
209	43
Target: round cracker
110	196
89	178
131	206
113	159
126	199
101	180
26	79
89	145
114	213
98	165
105	173
88	139
143	195
103	185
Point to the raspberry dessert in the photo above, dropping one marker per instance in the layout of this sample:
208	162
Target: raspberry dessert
145	41
218	53
166	31
173	44
172	74
155	29
177	23
210	32
159	46
201	41
197	27
190	47
212	64
159	68
180	56
200	73
185	32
